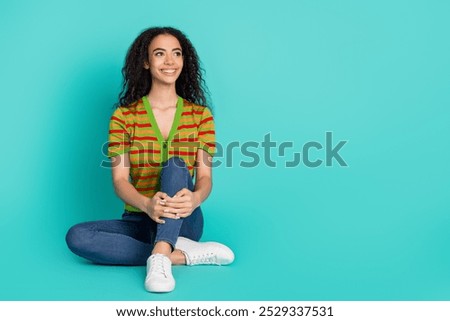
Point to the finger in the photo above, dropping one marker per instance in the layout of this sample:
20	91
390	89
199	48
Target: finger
170	215
166	215
180	205
184	214
162	201
158	197
159	221
161	195
182	202
181	192
168	212
172	210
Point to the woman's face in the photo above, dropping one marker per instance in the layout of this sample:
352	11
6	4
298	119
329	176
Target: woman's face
165	59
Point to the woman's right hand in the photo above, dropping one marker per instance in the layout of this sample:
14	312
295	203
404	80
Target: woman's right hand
155	208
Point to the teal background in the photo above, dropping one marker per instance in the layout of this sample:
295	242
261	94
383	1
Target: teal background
374	73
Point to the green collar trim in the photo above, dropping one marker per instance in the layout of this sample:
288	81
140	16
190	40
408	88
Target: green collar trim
154	124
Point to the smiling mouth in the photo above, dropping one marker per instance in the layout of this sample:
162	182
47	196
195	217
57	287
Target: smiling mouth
168	71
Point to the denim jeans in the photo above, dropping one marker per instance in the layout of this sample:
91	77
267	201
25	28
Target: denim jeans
130	240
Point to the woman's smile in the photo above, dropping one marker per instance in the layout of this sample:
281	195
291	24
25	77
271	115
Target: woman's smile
169	72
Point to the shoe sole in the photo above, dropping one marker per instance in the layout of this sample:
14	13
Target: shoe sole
158	289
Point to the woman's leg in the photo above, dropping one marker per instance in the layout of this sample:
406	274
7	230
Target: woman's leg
174	177
183	234
119	242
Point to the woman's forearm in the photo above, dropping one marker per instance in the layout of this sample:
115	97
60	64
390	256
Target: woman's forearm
202	189
130	195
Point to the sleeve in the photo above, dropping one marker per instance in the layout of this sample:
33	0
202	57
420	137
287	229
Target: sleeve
119	138
206	133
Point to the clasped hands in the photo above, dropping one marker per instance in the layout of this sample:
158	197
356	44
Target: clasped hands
181	205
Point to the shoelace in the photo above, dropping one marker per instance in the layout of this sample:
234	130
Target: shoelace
205	258
157	265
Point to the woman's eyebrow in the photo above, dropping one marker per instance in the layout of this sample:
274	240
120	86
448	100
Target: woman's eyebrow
165	49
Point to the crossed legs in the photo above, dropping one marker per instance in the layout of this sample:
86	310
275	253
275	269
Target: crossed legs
132	239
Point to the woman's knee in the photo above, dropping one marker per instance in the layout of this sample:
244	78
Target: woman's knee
174	162
77	238
174	166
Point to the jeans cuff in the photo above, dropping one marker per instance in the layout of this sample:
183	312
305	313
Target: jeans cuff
165	240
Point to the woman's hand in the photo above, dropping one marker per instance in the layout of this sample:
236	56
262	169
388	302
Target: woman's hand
156	209
182	204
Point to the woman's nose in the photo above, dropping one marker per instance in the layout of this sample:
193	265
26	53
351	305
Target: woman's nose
168	60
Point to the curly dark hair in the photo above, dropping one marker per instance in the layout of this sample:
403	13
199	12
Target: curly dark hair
137	81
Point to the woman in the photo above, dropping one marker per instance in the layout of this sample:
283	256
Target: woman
159	137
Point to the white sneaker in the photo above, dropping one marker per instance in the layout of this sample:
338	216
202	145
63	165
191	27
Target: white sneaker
159	274
204	252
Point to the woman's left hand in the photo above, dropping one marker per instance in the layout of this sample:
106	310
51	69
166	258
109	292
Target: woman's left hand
182	204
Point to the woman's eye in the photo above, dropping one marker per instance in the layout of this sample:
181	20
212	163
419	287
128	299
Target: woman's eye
159	54
178	53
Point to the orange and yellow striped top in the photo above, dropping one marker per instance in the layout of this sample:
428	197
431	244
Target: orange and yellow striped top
134	130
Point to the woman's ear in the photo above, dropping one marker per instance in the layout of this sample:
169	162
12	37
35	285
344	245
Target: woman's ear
146	65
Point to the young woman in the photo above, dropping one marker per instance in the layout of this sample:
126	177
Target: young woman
160	136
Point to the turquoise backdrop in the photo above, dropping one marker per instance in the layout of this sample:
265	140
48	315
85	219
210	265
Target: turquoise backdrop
374	73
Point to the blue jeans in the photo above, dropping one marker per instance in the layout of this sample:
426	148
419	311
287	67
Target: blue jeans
130	240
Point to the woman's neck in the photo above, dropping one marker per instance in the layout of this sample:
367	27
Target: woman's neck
162	97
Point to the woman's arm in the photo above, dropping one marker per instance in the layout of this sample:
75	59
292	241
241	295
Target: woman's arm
203	182
128	193
122	187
